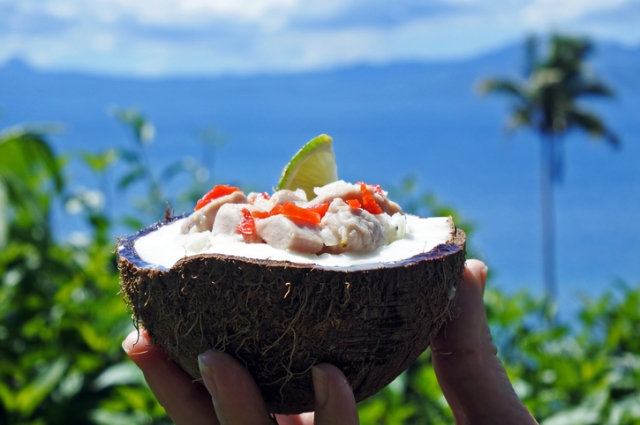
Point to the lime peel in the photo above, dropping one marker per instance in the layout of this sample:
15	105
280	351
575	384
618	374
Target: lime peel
314	165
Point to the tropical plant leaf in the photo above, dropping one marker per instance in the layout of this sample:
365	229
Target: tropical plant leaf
503	86
143	129
130	156
521	116
174	169
30	397
593	125
24	151
591	88
101	161
118	374
7	397
19	194
137	173
4	214
132	222
587	413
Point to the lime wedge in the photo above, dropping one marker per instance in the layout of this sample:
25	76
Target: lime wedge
312	166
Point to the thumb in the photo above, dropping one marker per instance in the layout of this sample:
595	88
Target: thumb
465	360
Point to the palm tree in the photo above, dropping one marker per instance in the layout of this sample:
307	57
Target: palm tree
547	102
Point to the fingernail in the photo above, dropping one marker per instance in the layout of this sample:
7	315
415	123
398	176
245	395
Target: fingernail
320	386
136	343
128	342
483	276
205	362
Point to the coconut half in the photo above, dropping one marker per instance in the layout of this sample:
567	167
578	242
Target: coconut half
280	313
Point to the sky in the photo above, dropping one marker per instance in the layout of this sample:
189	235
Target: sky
213	37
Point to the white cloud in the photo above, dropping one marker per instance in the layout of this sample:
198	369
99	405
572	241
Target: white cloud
59	9
205	36
545	12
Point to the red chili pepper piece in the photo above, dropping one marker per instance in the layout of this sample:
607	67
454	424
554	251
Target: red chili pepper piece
309	215
319	208
297	214
376	187
260	214
353	203
247	226
217	191
276	210
368	203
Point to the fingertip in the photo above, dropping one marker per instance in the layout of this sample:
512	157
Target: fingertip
332	376
235	394
476	272
328	379
468	329
320	386
183	399
475	267
207	361
335	402
484	275
330	369
137	342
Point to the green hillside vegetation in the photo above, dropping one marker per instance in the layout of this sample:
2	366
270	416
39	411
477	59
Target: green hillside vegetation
62	319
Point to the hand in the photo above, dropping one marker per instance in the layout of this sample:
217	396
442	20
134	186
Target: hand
231	396
470	374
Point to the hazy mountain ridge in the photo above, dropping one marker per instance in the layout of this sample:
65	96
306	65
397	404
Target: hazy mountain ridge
613	60
439	80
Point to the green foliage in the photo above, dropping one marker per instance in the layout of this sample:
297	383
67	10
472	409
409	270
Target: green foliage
62	320
585	374
412	398
25	162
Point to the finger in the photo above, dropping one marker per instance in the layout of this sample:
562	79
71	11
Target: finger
236	396
469	329
302	419
186	402
465	360
335	403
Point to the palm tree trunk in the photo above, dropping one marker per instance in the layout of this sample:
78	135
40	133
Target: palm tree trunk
547	171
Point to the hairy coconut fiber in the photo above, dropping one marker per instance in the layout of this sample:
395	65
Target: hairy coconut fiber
280	319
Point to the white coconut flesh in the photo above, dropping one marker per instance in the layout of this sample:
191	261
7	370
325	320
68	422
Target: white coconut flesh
165	246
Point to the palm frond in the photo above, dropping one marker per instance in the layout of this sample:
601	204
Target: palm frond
520	117
591	88
568	53
504	87
593	125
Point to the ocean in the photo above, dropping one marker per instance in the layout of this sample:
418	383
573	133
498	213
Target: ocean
388	122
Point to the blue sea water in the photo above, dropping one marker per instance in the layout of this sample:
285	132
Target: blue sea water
387	123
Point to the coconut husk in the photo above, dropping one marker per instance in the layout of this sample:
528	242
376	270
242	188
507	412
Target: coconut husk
279	318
